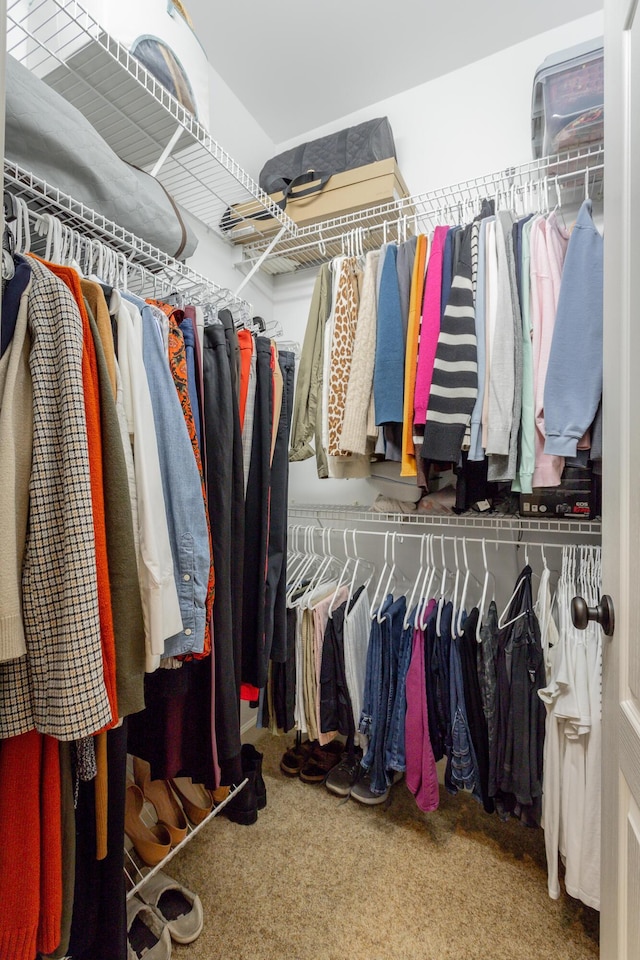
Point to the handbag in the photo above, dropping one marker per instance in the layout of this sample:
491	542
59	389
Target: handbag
49	137
306	169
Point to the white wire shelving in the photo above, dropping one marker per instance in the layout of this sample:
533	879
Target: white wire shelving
151	270
536	184
325	514
141	121
136	873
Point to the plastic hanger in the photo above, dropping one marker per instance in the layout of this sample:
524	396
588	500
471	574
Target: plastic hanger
390	579
422	594
419	576
383	574
441	599
428	594
454	596
467	576
359	562
518	588
343	574
485	584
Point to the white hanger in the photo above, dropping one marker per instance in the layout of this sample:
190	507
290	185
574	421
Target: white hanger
343	574
463	598
518	588
380	618
422	595
428	595
418	580
359	562
483	596
383	574
586	183
441	598
454	597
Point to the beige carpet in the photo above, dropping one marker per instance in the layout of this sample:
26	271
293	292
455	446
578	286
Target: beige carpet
317	879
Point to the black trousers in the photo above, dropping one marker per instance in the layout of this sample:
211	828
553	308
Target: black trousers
99	925
275	630
254	657
225	488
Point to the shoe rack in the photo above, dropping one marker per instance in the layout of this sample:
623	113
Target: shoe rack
136	872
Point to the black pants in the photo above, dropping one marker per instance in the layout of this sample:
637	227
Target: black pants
254	660
99	925
275	639
225	486
283	679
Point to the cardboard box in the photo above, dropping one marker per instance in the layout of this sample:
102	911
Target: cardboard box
347	192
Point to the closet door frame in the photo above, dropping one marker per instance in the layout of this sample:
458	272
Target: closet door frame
620	874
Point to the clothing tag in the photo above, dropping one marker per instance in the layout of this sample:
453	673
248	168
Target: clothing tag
482	506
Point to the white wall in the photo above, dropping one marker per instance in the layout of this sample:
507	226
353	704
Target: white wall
471	122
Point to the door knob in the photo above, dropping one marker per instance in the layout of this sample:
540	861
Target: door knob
603	614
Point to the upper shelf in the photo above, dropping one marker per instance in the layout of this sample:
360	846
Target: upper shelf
534	185
140	120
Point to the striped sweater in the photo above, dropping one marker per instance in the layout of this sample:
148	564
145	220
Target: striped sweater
454	385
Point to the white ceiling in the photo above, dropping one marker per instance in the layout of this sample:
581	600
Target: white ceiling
296	66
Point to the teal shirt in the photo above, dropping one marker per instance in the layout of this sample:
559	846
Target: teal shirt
524	477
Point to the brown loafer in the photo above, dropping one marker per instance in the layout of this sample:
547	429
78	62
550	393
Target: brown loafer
294	759
321	762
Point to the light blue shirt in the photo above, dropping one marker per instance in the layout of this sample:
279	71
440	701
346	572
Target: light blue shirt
182	490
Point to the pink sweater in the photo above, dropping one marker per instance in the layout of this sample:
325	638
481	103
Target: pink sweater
430	327
548	248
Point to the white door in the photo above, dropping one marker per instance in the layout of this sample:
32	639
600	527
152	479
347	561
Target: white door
620	900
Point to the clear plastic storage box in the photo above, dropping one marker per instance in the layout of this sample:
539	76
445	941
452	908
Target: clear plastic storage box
568	100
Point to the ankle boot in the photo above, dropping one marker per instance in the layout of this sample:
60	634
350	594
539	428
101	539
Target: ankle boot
252	760
243	808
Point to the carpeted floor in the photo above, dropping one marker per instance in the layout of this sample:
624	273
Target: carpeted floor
317	879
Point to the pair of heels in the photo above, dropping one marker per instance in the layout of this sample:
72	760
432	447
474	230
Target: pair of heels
153	843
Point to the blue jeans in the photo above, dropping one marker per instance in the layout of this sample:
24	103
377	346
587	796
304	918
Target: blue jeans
395	758
373	715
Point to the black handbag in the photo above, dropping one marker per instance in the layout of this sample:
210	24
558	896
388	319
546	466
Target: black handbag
316	161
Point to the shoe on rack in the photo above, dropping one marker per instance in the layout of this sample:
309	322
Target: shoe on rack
147	934
179	909
195	798
342	778
243	808
160	796
362	790
152	844
322	761
252	760
294	759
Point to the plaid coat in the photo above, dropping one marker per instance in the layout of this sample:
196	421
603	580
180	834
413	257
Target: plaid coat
58	687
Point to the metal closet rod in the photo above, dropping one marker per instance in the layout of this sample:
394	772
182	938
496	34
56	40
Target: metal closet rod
400	537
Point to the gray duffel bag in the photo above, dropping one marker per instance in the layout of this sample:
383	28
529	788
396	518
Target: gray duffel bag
305	169
49	137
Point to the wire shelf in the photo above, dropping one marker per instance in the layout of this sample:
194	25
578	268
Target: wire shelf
541	182
136	873
493	522
153	266
142	122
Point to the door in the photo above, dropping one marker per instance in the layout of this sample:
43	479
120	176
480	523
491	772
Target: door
620	899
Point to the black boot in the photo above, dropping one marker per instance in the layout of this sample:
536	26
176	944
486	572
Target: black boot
252	760
243	808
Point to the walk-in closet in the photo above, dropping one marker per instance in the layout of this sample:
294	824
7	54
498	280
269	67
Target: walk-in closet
318	590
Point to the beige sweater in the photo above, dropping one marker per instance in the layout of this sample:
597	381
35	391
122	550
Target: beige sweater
355	426
16	426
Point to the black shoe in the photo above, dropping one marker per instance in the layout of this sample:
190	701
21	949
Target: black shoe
252	760
342	778
243	808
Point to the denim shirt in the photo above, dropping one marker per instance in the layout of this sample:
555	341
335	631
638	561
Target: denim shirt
182	490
